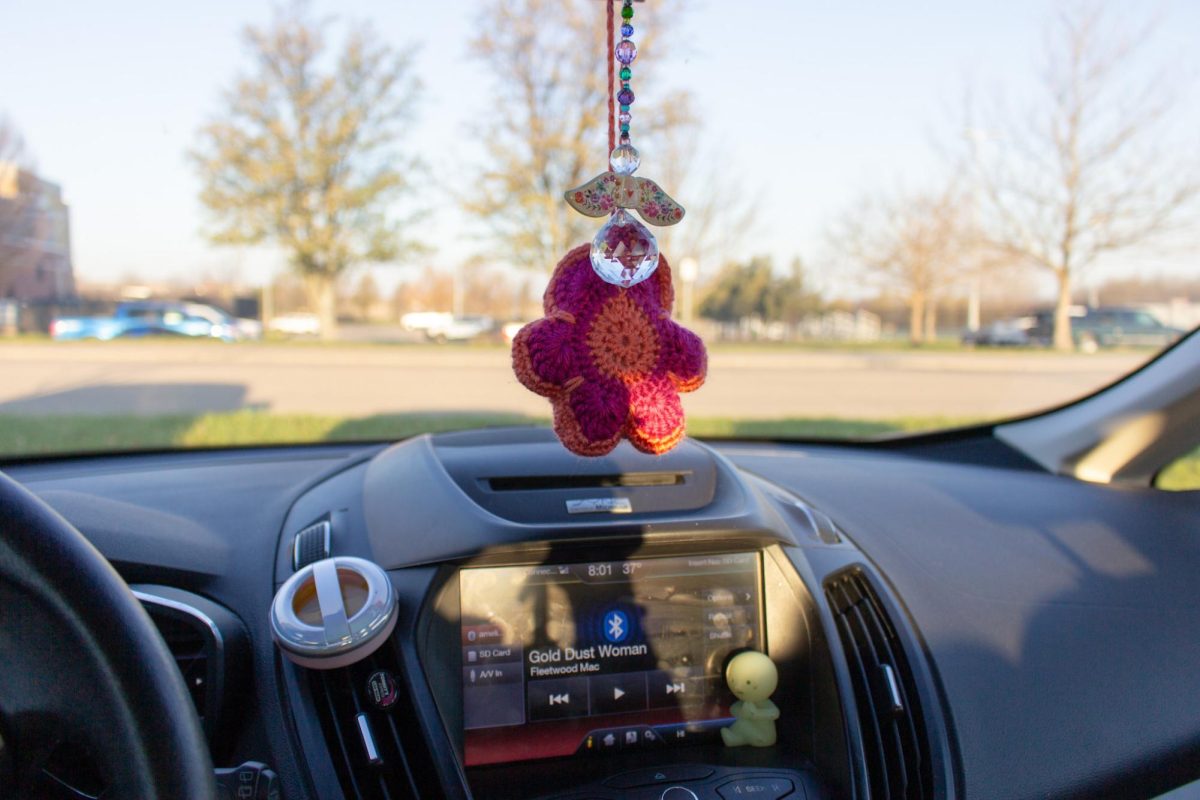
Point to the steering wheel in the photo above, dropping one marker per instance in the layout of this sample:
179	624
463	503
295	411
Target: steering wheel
84	671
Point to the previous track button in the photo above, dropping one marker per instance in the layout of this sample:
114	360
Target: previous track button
558	698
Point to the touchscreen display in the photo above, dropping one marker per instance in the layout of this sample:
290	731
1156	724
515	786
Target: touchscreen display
601	657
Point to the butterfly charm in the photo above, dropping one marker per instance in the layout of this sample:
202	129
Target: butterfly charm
609	191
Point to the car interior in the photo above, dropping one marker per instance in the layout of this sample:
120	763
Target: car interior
999	611
580	400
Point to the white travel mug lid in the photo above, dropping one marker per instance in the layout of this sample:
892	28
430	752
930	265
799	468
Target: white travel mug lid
333	612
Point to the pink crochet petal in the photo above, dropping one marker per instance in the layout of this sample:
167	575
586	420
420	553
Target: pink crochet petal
552	351
600	409
579	291
655	415
683	357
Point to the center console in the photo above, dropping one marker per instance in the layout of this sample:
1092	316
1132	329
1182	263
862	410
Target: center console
564	628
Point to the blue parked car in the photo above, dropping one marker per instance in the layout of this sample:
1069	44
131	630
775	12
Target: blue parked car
157	318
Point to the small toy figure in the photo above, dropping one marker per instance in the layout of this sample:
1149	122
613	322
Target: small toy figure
752	678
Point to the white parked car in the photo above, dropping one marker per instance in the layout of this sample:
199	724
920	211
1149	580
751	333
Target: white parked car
461	329
510	330
442	326
424	321
296	323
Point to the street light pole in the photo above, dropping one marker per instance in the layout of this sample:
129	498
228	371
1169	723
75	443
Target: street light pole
689	270
457	296
977	139
973	302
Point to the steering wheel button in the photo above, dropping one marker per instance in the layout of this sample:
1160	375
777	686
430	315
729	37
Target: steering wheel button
673	773
756	789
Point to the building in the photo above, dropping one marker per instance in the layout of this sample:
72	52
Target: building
35	239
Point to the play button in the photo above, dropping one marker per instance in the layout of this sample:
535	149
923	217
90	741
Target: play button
618	693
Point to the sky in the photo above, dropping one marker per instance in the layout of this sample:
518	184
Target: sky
815	103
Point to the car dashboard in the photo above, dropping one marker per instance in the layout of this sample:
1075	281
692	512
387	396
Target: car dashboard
946	618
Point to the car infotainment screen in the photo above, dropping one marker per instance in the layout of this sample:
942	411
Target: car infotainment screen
602	657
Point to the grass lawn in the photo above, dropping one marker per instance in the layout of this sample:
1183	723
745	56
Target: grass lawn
940	346
29	435
1182	475
45	435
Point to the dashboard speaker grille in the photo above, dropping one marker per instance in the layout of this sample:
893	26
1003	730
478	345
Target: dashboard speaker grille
528	483
895	744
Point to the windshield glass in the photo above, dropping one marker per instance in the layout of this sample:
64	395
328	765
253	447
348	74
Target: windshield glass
252	223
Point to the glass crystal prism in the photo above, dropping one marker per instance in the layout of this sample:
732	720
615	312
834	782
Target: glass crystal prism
624	252
624	159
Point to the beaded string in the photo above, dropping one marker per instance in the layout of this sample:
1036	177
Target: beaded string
626	52
612	121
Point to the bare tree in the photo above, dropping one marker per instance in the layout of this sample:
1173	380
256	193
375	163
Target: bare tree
14	160
918	245
304	155
547	129
365	297
721	208
1088	167
432	290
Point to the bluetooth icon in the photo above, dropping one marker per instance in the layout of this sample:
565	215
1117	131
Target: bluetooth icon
616	626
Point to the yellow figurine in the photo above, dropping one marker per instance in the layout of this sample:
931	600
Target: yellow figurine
752	678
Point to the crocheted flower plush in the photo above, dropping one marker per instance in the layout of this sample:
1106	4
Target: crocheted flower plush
610	359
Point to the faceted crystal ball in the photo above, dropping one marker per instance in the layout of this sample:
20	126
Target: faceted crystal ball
624	252
626	52
624	159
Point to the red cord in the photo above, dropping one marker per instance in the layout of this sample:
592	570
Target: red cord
608	63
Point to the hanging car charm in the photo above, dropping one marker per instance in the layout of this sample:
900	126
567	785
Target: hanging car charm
624	252
607	354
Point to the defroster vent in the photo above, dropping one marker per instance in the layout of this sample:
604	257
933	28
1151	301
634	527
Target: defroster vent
895	744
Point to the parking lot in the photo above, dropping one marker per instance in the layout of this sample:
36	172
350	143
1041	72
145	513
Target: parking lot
190	377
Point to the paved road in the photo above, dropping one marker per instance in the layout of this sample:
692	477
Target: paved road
185	377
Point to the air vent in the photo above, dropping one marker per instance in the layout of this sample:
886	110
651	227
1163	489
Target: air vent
895	745
378	755
527	483
540	476
312	544
189	646
210	646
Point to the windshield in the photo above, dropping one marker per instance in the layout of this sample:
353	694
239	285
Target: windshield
250	223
